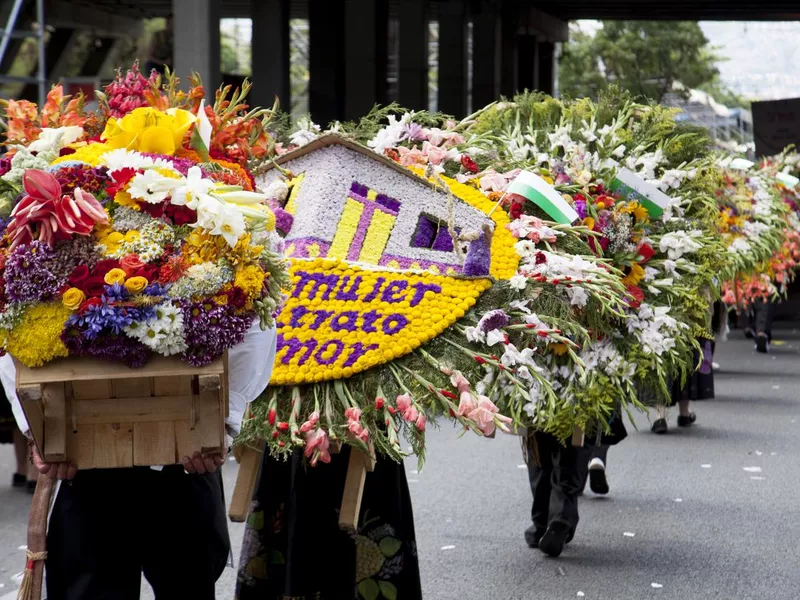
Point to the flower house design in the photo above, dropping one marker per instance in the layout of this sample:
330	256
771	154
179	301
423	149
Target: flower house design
354	205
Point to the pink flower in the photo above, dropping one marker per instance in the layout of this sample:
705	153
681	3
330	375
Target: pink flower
435	154
421	421
466	404
407	409
313	419
353	414
459	382
493	181
317	446
410	157
403	402
486	417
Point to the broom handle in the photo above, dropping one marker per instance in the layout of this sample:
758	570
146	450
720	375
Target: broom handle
31	588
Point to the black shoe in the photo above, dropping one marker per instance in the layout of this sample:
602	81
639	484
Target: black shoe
532	536
554	539
659	426
762	344
19	480
597	477
749	333
686	420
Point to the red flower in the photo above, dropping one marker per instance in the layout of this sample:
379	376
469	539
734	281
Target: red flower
378	403
271	415
88	304
94	286
646	252
515	211
637	296
130	264
120	179
393	154
148	271
79	276
154	210
540	258
104	266
180	215
469	164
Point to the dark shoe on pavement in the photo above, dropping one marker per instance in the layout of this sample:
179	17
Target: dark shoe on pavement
762	344
532	536
554	539
749	333
686	420
659	426
597	477
19	480
31	487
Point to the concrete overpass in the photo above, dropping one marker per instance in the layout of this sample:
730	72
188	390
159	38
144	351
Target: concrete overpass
353	42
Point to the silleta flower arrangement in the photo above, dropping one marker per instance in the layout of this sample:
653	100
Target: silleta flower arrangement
137	230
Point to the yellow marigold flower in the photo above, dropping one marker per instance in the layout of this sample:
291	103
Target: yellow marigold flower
89	153
251	280
73	298
114	276
135	284
634	276
37	338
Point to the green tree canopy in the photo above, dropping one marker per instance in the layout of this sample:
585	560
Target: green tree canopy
643	57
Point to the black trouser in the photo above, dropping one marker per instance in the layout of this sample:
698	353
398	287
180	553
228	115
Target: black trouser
555	481
110	525
763	315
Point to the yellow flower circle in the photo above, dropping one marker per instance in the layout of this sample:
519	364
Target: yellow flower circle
73	298
114	276
135	284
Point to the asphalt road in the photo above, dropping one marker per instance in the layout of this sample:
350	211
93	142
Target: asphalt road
711	511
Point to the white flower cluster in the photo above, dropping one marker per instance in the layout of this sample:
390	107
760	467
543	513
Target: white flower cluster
654	328
162	333
392	134
604	356
678	243
307	131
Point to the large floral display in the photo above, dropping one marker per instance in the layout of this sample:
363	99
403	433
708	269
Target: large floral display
134	230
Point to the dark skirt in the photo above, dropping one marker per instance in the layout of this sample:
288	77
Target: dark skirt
294	549
700	384
7	422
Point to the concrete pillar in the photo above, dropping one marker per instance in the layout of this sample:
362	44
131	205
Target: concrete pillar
413	56
270	53
453	57
509	28
527	63
326	61
366	55
547	67
485	56
196	41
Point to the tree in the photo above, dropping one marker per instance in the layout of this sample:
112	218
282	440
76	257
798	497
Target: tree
645	57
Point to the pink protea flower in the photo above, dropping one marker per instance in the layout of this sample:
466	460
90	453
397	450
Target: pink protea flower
55	216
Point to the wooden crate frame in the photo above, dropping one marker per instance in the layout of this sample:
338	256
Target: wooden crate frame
99	414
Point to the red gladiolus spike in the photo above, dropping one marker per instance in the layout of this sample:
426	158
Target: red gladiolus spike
480	360
275	434
392	410
448	394
283	426
271	415
378	403
543	334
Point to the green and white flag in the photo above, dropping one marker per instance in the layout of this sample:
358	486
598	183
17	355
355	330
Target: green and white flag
200	140
789	181
741	164
543	195
632	187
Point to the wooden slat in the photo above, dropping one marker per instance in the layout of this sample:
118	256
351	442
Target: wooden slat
353	491
30	399
249	466
80	446
113	445
135	410
210	423
154	443
141	387
187	440
172	386
85	369
55	422
89	390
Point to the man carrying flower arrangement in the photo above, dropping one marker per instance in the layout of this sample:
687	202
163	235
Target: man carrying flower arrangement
127	234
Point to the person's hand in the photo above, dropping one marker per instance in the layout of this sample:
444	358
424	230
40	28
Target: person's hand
54	470
201	464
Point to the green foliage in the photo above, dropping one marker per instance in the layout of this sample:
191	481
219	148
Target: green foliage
645	57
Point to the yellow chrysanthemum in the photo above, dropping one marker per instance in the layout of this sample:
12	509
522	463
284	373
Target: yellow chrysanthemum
634	276
89	154
37	338
251	280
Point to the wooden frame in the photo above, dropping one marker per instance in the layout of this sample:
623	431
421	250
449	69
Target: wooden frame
99	414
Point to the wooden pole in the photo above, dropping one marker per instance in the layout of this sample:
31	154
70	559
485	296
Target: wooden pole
249	466
31	586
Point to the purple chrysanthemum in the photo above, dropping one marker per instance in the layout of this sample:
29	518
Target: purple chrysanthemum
479	257
414	132
109	346
425	233
29	273
209	330
182	165
580	208
494	319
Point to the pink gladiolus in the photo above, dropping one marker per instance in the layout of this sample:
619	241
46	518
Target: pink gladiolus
459	382
435	154
353	414
421	421
466	403
485	416
317	446
313	419
403	402
411	156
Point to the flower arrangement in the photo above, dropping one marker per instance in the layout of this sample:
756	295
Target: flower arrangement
136	231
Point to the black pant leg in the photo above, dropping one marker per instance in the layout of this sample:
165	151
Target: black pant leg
540	476
566	483
92	540
764	315
188	532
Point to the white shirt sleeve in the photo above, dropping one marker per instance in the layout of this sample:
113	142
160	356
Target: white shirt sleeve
8	377
249	372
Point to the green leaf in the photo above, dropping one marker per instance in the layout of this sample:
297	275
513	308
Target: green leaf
388	590
390	546
368	589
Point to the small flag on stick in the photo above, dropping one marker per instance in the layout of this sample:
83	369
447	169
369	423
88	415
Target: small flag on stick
543	195
632	187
